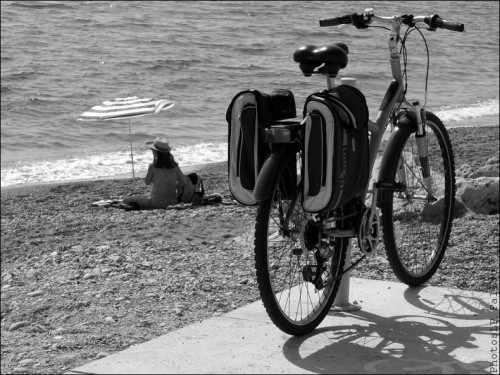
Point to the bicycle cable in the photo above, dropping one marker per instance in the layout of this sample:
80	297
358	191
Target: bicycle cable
405	59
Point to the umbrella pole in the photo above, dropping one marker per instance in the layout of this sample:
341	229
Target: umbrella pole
131	150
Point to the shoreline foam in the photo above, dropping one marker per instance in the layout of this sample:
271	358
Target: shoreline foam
200	168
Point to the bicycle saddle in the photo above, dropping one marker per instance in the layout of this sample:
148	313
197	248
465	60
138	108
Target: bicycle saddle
333	56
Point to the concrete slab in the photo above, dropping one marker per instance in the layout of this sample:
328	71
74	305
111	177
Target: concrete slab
398	330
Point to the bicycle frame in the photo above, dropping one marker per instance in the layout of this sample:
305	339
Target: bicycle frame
395	98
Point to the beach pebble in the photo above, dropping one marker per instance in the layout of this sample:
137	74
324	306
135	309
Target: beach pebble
109	319
26	362
206	288
177	312
68	358
36	293
101	355
7	277
21	370
88	275
18	325
33	274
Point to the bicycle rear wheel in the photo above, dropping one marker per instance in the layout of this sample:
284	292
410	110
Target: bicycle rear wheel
417	222
297	282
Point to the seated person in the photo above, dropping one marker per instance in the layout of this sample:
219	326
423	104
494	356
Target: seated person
168	184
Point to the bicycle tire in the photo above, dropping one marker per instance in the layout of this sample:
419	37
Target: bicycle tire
416	231
284	248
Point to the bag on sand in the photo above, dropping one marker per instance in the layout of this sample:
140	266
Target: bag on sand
198	188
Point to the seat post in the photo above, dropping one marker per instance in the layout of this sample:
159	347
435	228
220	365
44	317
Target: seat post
330	82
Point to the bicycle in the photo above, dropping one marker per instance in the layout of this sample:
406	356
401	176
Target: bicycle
299	256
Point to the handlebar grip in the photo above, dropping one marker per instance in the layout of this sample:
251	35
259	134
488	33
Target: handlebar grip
436	21
335	21
453	26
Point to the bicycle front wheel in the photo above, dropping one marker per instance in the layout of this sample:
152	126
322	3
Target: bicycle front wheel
417	222
297	282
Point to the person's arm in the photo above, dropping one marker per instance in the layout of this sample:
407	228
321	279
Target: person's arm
184	184
181	179
149	175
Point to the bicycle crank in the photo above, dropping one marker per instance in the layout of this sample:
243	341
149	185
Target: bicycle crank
369	231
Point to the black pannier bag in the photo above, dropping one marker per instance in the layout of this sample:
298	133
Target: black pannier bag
335	155
249	112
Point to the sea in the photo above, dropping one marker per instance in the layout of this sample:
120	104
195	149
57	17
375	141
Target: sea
60	58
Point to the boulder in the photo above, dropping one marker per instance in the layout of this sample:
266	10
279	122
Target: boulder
489	169
480	195
433	212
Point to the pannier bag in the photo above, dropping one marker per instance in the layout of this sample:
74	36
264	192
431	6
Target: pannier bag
249	112
335	155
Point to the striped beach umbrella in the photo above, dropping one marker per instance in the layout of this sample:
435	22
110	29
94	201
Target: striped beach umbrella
125	109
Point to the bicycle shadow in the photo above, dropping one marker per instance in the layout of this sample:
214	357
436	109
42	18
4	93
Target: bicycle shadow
413	343
457	304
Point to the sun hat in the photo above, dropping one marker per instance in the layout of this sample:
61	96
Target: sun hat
159	144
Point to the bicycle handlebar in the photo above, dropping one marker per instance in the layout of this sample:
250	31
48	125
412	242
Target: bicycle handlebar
361	21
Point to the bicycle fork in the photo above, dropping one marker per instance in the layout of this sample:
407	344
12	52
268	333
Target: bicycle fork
423	155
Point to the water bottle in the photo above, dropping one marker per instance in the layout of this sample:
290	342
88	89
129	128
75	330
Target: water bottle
349	81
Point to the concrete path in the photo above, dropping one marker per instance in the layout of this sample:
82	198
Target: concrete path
398	330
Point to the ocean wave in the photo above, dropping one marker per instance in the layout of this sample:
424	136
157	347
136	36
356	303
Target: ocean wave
12	77
461	113
105	164
40	5
83	20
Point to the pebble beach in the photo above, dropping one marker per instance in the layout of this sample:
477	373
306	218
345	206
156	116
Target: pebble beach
80	282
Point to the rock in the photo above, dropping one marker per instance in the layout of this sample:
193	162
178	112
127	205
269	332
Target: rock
7	277
33	274
460	209
25	362
480	195
109	319
433	212
177	311
464	171
21	370
489	169
18	325
68	358
36	293
101	355
88	275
